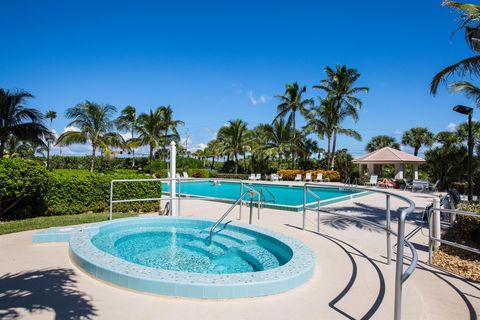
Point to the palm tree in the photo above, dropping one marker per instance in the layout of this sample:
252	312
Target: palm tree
126	122
291	102
19	121
51	115
214	148
469	90
279	138
202	154
169	124
381	141
94	122
234	139
470	17
416	138
339	87
149	127
326	120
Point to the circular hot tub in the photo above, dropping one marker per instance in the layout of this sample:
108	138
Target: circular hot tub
176	256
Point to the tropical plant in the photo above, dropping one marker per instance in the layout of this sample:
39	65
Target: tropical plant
126	122
214	149
201	154
18	120
291	102
169	126
381	141
94	123
470	22
149	127
279	138
341	92
234	139
447	139
416	138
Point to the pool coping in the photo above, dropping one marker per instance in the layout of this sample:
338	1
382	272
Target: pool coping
120	272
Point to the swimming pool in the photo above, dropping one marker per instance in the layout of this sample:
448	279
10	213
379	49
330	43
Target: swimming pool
171	256
284	197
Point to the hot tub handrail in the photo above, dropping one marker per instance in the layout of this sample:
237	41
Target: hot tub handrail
239	200
400	275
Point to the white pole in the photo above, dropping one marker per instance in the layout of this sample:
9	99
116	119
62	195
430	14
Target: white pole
173	171
436	232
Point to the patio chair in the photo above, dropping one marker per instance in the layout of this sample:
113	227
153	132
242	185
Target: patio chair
373	180
274	177
308	176
169	175
280	177
258	176
319	177
185	175
177	176
252	176
421	185
298	177
434	187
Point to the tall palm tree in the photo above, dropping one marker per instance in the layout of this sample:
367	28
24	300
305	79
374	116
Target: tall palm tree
17	120
214	148
95	125
51	115
470	22
291	102
126	122
381	141
149	127
416	138
234	138
339	87
169	127
279	138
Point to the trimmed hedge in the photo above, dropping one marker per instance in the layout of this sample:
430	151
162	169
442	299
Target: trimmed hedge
241	176
467	227
28	189
83	192
289	175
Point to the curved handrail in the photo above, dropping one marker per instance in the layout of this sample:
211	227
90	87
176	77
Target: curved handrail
400	275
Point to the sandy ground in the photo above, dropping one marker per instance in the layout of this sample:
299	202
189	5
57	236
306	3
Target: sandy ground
351	280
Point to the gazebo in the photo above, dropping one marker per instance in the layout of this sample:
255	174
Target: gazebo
387	155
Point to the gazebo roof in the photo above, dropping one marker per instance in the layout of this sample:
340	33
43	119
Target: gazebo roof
388	155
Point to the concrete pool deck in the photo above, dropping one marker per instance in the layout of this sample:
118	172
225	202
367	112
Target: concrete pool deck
351	280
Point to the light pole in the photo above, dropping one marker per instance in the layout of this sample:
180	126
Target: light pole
49	141
468	111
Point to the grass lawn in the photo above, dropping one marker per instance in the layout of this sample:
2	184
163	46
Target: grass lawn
56	221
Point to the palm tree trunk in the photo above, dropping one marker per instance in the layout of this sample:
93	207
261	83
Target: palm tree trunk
151	158
236	163
92	164
2	147
133	152
213	162
294	139
415	151
333	148
329	139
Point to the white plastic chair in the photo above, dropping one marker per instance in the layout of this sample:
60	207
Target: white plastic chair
319	177
185	175
258	176
177	175
252	176
308	176
298	177
373	180
274	177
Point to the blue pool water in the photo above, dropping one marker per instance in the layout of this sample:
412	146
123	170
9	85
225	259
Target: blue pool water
280	195
185	248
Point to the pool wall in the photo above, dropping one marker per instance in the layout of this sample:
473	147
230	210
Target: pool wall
195	285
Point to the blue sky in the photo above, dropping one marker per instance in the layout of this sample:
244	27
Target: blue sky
217	60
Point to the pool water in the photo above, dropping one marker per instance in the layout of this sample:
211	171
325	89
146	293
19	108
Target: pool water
281	195
185	248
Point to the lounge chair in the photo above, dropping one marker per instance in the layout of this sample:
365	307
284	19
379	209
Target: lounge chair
319	177
298	177
373	180
387	183
274	177
252	176
434	187
177	175
280	177
258	176
185	175
169	175
308	176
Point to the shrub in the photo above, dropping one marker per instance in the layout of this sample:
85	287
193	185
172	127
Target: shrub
22	186
198	173
467	226
81	192
289	175
241	176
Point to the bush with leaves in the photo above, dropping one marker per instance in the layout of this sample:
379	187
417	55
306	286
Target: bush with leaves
23	184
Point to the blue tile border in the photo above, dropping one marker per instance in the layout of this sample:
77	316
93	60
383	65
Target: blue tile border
112	269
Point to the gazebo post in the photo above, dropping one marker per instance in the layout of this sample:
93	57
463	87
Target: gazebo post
415	171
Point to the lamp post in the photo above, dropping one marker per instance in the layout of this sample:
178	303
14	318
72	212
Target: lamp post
49	141
468	111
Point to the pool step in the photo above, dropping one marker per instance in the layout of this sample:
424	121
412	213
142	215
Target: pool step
259	257
238	237
202	246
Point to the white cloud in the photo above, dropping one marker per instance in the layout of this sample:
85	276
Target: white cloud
126	136
71	128
397	132
452	126
257	100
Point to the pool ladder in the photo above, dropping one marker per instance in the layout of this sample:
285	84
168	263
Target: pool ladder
250	191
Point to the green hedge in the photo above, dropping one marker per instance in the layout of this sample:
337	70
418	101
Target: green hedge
242	176
468	227
28	189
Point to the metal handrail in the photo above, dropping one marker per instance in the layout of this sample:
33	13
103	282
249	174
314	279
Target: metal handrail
259	198
400	275
270	193
432	239
226	214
